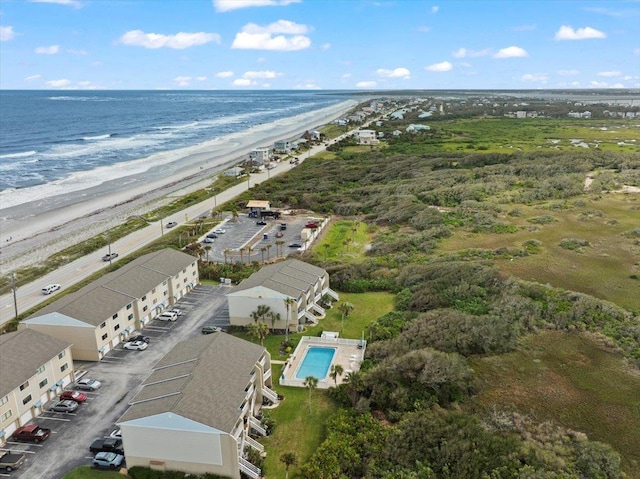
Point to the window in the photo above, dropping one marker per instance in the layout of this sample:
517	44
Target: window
114	316
155	300
116	327
130	317
193	274
40	369
129	306
185	280
26	400
145	308
153	291
43	383
144	298
5	416
24	386
103	325
4	400
104	336
62	354
184	270
64	367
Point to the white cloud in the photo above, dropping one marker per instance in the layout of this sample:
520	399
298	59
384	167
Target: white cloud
262	74
243	82
261	60
463	52
346	75
424	29
33	77
58	83
636	51
77	52
224	74
71	3
226	5
201	78
6	34
366	84
435	9
397	73
598	84
511	52
617	85
566	73
178	41
524	28
326	46
440	67
50	50
182	80
567	32
609	74
256	37
87	85
535	77
96	64
308	86
575	84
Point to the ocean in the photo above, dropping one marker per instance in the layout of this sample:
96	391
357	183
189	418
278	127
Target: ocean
53	142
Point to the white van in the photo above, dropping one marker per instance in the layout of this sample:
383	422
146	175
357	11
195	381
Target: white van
167	316
50	288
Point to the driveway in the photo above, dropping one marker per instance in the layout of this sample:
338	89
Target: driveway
121	373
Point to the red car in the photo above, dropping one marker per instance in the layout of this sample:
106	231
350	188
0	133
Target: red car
31	432
311	225
76	396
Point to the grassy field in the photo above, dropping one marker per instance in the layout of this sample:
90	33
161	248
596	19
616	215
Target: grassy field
344	241
603	269
571	380
86	472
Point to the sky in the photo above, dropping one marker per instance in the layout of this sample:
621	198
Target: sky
318	44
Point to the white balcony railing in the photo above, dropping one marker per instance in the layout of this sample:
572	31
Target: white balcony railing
249	469
270	395
257	426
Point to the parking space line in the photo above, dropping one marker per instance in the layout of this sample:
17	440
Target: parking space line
55	418
19	450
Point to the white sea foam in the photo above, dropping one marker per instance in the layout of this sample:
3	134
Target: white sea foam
94	138
24	154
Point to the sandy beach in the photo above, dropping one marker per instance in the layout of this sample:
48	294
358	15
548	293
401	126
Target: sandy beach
30	232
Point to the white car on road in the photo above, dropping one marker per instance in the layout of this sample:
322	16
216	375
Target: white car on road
50	288
135	345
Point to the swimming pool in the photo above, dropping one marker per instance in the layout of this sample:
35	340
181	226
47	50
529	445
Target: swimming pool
316	363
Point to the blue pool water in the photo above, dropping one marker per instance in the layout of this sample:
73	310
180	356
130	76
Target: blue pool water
316	363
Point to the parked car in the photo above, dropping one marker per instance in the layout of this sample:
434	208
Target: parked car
208	329
10	462
76	396
109	257
311	225
208	240
50	288
212	235
108	459
31	432
140	337
219	231
261	223
88	384
116	434
64	406
283	226
171	224
175	310
295	245
167	316
135	345
109	444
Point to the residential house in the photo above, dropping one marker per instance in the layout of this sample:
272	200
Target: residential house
417	128
260	156
104	313
396	133
282	146
367	137
234	171
198	406
34	369
306	284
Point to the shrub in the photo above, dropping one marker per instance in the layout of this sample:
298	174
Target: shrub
573	243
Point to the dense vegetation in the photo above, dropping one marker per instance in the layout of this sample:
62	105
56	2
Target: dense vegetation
403	415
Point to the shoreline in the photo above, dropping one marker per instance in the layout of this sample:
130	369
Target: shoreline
40	228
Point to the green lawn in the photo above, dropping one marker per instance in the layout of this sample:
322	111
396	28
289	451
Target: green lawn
571	380
86	472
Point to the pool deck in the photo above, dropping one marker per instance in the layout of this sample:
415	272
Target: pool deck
348	355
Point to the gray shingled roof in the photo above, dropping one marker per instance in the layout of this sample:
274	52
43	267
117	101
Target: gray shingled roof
291	277
202	379
22	353
110	293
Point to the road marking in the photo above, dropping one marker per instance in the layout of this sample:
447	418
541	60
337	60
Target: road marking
55	418
19	450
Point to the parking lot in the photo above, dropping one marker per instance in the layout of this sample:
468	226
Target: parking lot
243	232
121	372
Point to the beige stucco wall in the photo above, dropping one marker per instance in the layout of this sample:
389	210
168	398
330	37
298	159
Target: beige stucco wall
85	342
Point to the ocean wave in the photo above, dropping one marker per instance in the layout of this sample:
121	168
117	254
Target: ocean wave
24	154
99	137
81	98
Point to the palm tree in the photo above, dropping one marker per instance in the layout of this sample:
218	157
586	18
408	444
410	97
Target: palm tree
279	243
261	313
336	370
258	330
355	385
249	251
288	303
345	309
311	383
288	459
268	248
226	253
208	249
274	317
241	255
234	215
262	250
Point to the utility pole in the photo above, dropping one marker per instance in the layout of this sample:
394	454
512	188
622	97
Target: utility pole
15	297
109	242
